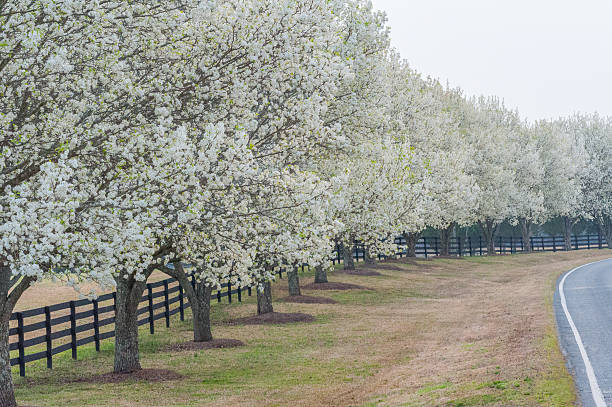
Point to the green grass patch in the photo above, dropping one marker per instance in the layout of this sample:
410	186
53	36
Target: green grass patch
433	387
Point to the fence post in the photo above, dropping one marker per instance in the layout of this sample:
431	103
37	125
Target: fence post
480	244
229	292
599	238
150	298
240	291
20	344
181	304
588	241
576	242
425	245
249	290
218	295
542	240
511	244
459	247
73	343
48	338
166	304
96	324
522	244
436	246
501	247
554	243
470	243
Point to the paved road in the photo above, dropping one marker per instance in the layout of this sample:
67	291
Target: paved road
583	308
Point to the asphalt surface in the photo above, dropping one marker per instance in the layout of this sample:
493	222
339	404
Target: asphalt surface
583	309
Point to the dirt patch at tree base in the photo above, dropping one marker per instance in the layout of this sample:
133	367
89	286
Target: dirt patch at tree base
217	343
362	272
274	318
309	299
145	375
334	286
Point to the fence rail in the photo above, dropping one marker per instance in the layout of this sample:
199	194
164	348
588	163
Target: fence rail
468	246
68	325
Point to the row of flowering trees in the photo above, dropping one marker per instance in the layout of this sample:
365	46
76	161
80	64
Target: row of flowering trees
243	136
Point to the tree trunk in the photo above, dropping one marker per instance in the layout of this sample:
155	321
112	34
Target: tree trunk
200	309
488	230
199	299
567	232
320	275
129	293
347	251
10	291
605	224
411	241
526	233
367	257
264	299
293	281
445	239
7	395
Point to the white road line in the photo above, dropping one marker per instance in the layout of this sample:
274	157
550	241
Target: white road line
595	390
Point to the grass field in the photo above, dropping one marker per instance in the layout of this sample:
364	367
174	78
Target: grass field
443	332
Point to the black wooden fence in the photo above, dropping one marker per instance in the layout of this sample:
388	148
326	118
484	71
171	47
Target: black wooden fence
66	326
468	246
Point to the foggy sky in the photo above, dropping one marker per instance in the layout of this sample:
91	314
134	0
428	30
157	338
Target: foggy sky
546	58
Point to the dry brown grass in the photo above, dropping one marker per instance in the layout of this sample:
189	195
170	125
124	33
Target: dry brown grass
471	322
443	332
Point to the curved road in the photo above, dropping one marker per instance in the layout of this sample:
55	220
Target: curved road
583	309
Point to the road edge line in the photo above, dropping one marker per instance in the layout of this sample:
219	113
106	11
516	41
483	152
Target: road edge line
595	390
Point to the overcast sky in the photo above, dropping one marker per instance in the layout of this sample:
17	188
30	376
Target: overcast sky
547	58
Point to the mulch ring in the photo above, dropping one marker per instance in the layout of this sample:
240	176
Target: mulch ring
145	375
308	299
217	343
361	272
334	286
274	318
